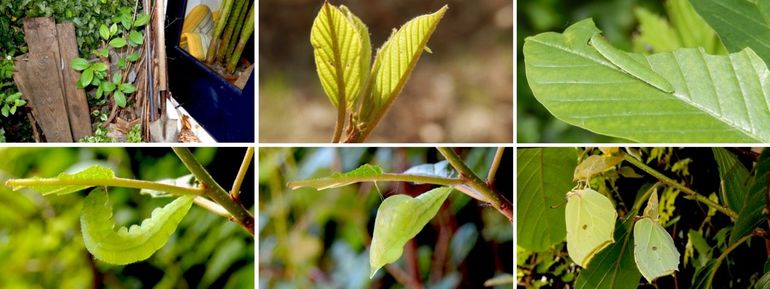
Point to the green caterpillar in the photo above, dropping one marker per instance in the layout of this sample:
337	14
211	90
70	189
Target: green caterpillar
629	65
127	245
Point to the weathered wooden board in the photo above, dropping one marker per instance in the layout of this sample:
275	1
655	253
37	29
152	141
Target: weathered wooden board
41	87
75	98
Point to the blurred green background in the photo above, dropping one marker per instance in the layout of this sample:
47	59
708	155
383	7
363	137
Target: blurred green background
41	244
618	22
460	93
319	239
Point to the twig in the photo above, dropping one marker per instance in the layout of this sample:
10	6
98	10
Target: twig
236	189
113	182
493	168
214	191
497	200
212	207
694	195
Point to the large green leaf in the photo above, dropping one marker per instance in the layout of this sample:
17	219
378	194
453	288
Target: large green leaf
613	267
735	177
739	23
751	214
337	45
715	98
543	177
398	220
395	61
123	245
90	173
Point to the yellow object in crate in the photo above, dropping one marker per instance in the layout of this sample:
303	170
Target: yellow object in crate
196	31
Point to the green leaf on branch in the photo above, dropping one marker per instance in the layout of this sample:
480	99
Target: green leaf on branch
719	99
99	66
133	56
135	38
121	245
399	219
752	215
87	77
79	64
118	42
120	98
141	20
127	88
337	46
104	32
90	173
543	176
735	177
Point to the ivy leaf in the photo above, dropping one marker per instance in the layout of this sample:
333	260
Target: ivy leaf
395	61
79	64
123	245
141	20
718	99
120	98
136	38
90	173
339	179
104	32
398	220
337	49
118	42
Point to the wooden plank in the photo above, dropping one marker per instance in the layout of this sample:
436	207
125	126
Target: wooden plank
75	98
34	78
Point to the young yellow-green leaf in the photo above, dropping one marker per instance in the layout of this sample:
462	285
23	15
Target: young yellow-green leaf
123	245
79	64
337	47
339	179
654	250
365	58
398	220
590	218
396	60
90	173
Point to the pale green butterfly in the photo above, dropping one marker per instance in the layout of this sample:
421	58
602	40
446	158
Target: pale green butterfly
654	251
590	218
629	65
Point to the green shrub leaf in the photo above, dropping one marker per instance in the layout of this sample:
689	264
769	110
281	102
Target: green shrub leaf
337	46
87	77
120	98
118	42
396	59
104	32
719	99
136	38
398	220
141	20
90	173
79	64
123	245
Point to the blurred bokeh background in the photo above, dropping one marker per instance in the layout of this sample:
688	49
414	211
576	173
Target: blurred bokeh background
617	20
41	245
460	93
319	239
